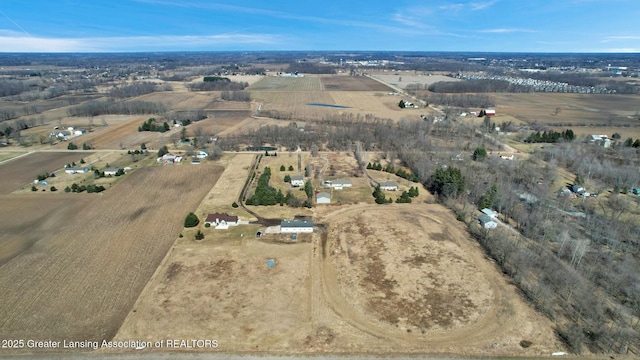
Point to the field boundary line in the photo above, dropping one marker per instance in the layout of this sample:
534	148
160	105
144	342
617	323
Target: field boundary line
16	157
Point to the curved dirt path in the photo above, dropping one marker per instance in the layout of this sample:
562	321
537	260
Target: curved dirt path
489	326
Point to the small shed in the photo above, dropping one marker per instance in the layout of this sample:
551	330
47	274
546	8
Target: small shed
635	191
323	198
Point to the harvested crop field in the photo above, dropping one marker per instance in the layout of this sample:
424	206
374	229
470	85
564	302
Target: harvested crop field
23	170
563	110
412	283
93	253
402	79
122	134
281	83
352	83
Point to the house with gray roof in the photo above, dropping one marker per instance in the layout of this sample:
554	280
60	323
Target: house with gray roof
338	184
296	226
389	185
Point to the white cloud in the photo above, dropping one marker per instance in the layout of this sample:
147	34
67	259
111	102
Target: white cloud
9	42
472	6
505	30
482	5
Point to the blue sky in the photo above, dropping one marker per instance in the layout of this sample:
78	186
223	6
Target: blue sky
403	25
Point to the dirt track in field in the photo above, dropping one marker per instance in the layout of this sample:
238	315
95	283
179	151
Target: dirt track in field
92	254
412	283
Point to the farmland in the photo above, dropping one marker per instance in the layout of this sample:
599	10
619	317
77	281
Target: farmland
324	295
410	278
83	282
290	97
23	171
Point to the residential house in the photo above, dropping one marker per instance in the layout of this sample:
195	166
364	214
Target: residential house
578	189
487	222
389	185
202	154
297	180
296	226
323	198
111	171
76	170
338	184
490	213
221	220
169	159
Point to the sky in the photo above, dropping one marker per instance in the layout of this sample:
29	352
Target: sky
373	25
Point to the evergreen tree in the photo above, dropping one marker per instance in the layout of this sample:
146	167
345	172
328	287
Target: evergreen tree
191	220
479	154
308	189
447	182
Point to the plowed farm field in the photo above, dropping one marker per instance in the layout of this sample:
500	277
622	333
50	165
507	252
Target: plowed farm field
88	256
279	83
352	83
23	170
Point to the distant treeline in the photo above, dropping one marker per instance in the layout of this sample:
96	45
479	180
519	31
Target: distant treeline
133	90
457	100
216	83
95	108
237	95
477	86
310	68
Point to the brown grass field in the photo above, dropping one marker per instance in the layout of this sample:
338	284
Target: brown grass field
91	255
341	291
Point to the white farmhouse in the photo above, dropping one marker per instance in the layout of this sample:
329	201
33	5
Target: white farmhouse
389	185
339	184
297	180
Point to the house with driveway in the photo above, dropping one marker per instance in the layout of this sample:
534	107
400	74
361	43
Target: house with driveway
221	221
296	226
